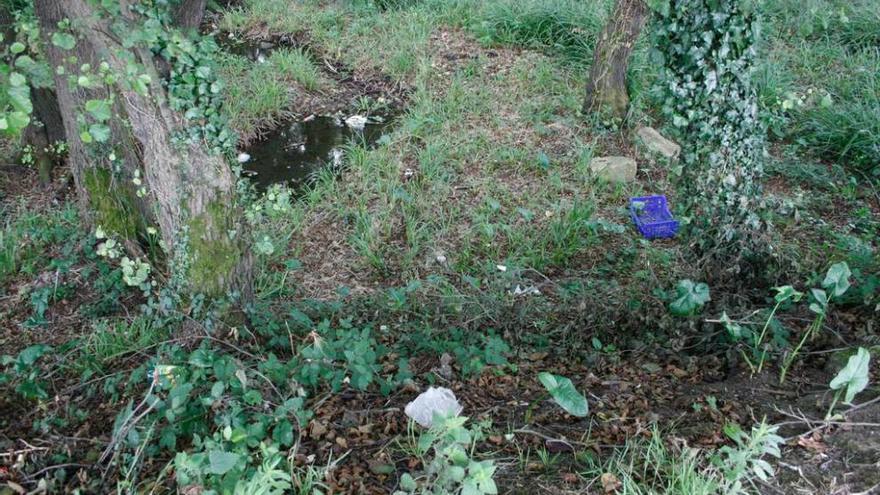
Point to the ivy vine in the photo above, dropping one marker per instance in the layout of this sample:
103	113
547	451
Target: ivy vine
708	52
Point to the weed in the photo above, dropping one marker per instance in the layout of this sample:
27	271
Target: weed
447	452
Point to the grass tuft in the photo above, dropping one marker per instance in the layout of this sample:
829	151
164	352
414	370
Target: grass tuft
568	27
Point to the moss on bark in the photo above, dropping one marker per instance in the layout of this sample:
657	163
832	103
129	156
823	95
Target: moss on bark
214	254
113	206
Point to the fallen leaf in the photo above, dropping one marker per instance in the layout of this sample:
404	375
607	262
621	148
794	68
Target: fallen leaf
570	478
812	444
610	482
316	429
380	467
16	487
537	356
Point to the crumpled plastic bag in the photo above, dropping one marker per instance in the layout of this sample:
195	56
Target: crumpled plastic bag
434	400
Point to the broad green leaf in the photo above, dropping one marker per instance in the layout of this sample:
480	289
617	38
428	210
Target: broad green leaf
854	376
564	393
221	462
785	293
690	297
734	329
837	279
820	303
99	109
100	132
16	48
17	121
65	41
16	79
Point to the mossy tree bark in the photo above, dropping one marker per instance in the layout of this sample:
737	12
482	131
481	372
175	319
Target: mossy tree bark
187	191
606	88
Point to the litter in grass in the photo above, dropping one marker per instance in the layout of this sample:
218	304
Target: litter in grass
652	217
435	400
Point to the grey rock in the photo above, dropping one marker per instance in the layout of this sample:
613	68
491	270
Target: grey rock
656	143
434	400
614	168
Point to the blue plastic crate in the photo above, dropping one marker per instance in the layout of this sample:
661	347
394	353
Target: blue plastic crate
652	218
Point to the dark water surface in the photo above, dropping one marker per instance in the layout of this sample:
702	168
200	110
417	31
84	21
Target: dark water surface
295	152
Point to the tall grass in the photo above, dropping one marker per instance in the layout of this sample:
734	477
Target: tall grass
648	467
569	27
833	47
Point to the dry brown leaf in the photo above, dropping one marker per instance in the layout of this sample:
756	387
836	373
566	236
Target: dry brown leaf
610	482
317	429
812	444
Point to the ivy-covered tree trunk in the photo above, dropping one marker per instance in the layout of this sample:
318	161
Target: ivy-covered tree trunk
709	52
606	88
134	157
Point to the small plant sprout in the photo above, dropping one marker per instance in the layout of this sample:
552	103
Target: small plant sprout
783	294
744	459
851	380
836	283
564	393
453	468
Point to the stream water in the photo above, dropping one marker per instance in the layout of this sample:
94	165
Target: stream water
294	153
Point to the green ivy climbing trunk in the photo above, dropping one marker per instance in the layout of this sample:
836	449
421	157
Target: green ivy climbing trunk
146	173
606	88
709	52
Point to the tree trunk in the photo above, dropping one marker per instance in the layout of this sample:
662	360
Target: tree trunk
46	126
190	193
606	89
189	14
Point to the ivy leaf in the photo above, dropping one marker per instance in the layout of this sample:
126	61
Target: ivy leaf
142	84
221	462
99	110
854	376
20	97
203	71
65	41
690	298
100	132
15	121
16	48
565	394
837	279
